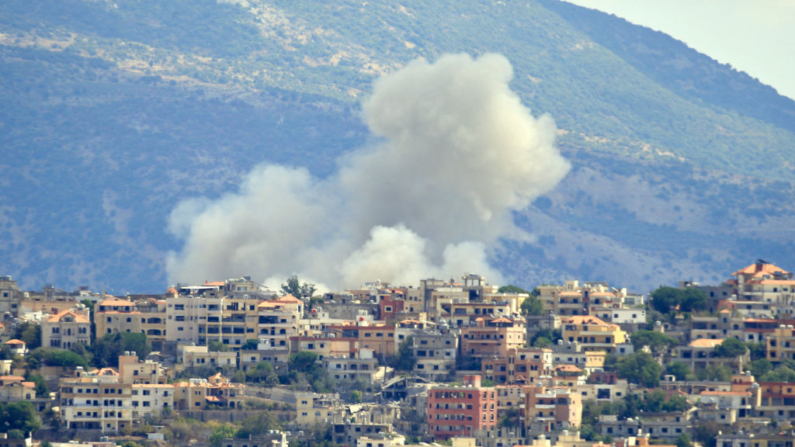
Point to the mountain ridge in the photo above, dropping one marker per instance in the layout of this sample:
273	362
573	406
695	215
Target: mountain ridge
110	130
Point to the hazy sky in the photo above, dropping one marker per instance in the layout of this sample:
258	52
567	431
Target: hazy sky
754	36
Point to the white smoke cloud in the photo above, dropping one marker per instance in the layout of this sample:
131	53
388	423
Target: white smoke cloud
459	154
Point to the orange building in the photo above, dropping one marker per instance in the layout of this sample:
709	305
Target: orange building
493	337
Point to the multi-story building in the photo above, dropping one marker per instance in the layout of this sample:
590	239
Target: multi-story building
551	408
721	326
593	334
325	346
359	365
198	356
700	354
464	314
572	353
149	400
777	401
67	328
520	366
96	402
493	336
215	392
10	296
435	353
280	319
781	344
460	411
379	338
574	298
313	409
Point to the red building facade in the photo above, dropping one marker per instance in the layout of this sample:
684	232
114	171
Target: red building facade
460	411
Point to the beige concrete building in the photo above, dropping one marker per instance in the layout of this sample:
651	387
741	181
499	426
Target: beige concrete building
196	356
215	392
66	329
493	336
149	400
592	333
15	389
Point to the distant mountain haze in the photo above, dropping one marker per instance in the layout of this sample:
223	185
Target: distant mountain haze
122	123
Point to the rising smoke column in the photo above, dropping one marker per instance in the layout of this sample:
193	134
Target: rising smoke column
459	154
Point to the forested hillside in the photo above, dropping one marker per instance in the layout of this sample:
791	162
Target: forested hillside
112	112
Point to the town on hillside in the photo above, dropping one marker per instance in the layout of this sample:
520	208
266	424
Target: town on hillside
455	362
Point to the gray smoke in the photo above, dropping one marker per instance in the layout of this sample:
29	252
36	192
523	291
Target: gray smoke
459	154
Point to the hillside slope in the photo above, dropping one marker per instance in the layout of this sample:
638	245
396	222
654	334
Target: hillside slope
113	112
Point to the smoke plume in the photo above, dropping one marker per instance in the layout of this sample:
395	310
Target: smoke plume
458	153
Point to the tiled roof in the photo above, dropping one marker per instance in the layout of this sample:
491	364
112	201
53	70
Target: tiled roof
57	317
753	269
15	342
288	299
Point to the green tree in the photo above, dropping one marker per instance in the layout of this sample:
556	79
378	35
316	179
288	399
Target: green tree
760	367
257	424
356	397
665	299
404	360
19	416
758	350
55	357
657	341
692	299
220	433
30	333
683	441
640	368
679	370
706	433
295	288
780	374
217	346
107	349
512	289
41	385
263	373
547	337
731	348
532	306
303	361
250	345
720	373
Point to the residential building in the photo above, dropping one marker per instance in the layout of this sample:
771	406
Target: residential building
149	400
18	347
96	402
359	365
551	408
16	388
520	366
492	336
215	392
67	328
10	296
313	409
593	333
198	356
781	344
435	353
460	411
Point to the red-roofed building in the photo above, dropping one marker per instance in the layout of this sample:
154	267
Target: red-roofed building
66	329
